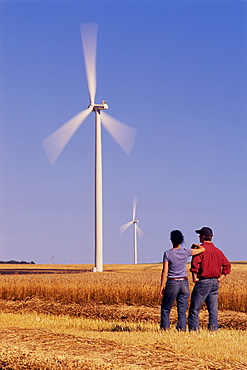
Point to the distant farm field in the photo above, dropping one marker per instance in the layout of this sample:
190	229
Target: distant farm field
66	317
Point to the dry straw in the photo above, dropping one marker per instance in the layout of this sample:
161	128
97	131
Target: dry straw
133	286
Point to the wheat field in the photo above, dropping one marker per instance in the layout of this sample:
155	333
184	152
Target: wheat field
110	320
128	284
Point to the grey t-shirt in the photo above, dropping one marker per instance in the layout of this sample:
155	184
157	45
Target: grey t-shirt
177	259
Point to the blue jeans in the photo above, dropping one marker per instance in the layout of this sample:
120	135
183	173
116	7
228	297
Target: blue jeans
205	290
179	290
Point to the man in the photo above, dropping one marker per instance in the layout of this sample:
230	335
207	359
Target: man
208	269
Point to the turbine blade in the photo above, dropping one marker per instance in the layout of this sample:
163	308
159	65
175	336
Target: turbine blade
123	134
56	142
139	231
89	43
134	207
125	226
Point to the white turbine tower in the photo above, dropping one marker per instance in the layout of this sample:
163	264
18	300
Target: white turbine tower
123	134
137	229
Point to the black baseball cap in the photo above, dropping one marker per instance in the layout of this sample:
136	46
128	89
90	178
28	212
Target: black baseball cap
206	231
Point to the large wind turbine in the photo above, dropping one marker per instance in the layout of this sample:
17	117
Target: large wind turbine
123	134
137	229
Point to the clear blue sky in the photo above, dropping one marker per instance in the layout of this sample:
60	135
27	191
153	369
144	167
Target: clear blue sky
174	70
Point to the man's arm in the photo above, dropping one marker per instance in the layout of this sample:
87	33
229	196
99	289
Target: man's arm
194	277
226	266
221	277
195	265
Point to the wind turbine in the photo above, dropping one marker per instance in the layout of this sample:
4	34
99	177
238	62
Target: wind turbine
123	134
137	229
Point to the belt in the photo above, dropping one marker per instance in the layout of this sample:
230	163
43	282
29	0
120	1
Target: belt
182	278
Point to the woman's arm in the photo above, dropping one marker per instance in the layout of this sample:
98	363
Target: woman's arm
196	249
163	277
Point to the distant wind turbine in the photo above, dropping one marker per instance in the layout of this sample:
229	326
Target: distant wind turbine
122	134
137	229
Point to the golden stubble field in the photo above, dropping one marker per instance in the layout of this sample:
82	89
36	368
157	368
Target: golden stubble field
55	319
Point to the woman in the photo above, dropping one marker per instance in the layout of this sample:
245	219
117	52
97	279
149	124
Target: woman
174	281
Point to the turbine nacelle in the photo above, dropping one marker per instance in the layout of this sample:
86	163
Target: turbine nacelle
97	107
135	221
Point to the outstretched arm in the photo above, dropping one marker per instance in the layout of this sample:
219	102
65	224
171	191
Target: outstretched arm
196	249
